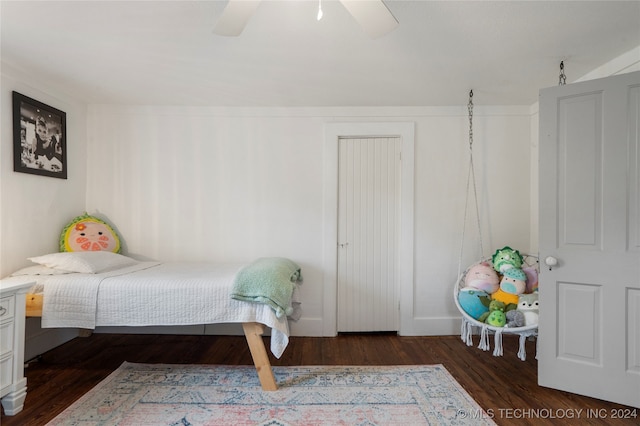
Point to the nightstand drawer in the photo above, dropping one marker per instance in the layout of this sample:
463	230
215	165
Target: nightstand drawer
6	338
7	308
6	377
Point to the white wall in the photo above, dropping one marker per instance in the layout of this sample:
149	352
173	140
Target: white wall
233	184
34	209
501	158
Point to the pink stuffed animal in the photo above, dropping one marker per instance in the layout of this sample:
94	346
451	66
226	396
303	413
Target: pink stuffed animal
482	277
532	279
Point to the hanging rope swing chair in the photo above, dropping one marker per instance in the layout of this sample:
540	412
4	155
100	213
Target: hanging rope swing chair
471	324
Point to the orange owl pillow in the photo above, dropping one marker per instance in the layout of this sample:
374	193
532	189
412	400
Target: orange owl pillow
88	233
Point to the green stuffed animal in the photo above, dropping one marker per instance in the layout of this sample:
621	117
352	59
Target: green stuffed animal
496	316
506	258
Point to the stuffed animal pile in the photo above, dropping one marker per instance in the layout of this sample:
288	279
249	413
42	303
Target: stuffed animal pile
502	293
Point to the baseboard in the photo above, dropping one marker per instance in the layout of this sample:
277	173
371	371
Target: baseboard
436	326
307	327
433	326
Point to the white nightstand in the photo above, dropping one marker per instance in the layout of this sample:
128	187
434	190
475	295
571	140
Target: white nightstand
13	384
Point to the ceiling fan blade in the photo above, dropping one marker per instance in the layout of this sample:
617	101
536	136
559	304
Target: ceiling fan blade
235	16
373	16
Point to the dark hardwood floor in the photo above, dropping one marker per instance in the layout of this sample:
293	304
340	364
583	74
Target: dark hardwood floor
504	386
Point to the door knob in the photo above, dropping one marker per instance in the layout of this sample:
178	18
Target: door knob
550	261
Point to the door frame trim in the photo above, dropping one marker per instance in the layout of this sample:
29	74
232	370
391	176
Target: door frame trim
332	133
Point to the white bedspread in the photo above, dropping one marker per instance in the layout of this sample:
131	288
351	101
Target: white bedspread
152	293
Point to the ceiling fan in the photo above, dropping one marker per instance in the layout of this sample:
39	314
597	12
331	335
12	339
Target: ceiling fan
373	16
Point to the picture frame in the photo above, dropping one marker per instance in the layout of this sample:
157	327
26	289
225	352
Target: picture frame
39	138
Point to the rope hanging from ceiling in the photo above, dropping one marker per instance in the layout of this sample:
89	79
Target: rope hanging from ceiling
471	184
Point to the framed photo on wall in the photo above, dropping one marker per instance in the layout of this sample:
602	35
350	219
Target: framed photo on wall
39	138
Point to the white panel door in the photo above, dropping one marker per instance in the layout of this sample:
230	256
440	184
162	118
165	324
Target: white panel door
589	331
369	182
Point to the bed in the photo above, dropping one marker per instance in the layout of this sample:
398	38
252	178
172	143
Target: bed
92	289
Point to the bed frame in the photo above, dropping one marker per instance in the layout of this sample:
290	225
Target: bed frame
253	332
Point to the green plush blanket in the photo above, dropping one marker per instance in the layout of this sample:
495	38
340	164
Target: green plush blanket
268	280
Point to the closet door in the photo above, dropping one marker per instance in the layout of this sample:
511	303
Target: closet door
369	182
589	331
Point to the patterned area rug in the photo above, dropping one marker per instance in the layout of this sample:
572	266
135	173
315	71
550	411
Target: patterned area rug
157	394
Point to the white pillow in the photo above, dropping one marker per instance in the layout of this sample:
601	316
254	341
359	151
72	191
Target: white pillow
86	262
39	270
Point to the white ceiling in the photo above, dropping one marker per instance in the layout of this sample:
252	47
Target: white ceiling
164	52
